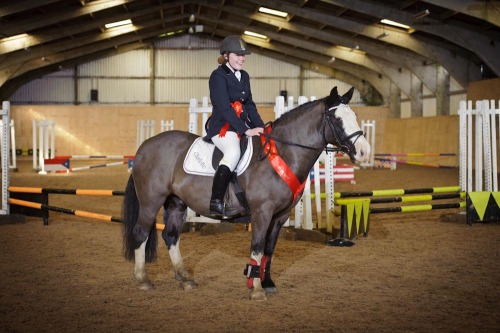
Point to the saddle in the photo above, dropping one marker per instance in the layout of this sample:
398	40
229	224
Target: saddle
203	158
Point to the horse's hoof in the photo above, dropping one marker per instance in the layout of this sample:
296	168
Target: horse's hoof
188	285
145	285
258	295
269	286
340	242
271	290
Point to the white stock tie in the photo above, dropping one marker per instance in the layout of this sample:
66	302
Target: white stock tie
238	75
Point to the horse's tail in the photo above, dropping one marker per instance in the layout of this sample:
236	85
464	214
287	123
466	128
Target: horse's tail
130	214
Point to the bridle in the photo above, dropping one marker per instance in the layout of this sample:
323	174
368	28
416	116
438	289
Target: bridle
343	141
345	145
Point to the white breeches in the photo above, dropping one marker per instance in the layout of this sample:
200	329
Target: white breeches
229	145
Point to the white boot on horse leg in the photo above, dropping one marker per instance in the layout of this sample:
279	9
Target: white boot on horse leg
257	292
140	268
181	274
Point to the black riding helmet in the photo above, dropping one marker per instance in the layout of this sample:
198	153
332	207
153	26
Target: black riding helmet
234	44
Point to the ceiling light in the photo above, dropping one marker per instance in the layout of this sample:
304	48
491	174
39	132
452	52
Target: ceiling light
273	12
395	24
171	33
118	24
254	34
23	35
192	18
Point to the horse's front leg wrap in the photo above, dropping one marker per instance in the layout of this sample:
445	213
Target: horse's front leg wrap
263	266
252	271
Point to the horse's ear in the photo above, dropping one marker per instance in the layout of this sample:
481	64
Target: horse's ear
347	96
334	93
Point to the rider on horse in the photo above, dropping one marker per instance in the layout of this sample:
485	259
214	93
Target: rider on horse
233	114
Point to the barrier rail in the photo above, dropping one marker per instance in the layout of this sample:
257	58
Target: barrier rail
378	193
44	207
355	208
88	167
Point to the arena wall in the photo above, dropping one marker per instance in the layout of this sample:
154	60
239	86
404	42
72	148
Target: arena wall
484	89
112	130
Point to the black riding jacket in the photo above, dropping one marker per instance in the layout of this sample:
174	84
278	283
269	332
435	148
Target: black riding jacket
225	89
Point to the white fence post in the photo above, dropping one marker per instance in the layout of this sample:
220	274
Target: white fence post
43	148
5	144
194	111
167	125
483	136
145	130
368	128
12	147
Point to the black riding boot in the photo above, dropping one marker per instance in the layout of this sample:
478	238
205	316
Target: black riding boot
221	181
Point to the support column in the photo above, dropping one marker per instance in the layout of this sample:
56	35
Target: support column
417	102
301	81
395	101
442	92
75	85
152	71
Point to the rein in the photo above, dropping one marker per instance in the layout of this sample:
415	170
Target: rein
269	137
328	115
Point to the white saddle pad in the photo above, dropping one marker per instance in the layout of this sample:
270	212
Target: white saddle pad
198	160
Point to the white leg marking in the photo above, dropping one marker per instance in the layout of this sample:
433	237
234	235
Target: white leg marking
140	262
176	258
187	283
140	267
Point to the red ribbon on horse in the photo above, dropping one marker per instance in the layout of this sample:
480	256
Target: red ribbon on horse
281	167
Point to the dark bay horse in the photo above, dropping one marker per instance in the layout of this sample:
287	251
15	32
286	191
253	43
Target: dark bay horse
158	179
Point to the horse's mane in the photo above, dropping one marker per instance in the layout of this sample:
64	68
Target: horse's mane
295	112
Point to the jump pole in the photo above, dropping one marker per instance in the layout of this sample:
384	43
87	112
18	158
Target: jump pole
432	165
355	208
87	192
5	144
110	157
88	167
416	208
415	154
82	192
378	193
60	164
81	213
